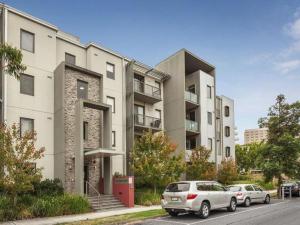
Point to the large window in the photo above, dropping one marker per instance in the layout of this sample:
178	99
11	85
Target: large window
27	84
113	139
69	58
27	41
139	114
209	143
227	151
26	125
82	89
158	114
85	130
227	131
226	109
209	91
111	101
110	71
209	118
191	143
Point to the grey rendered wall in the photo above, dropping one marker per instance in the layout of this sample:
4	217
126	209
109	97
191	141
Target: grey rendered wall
174	103
59	134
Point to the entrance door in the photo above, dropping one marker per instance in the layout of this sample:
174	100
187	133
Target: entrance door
86	178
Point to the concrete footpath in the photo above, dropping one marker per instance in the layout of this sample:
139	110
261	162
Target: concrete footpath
80	217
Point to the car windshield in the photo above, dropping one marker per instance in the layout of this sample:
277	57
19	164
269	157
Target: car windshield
178	187
234	188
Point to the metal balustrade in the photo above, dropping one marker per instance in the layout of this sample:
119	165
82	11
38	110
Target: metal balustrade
191	125
191	97
147	89
147	121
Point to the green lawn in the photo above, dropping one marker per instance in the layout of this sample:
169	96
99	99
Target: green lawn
131	217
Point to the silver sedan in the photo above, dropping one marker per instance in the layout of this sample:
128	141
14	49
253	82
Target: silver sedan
249	193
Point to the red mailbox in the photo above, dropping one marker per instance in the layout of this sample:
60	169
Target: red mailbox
123	189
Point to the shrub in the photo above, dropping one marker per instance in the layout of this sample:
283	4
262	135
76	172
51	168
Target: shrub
227	172
49	188
74	204
7	209
147	197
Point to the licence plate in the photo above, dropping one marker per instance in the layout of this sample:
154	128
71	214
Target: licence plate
174	199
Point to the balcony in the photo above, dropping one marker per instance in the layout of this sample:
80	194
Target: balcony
146	93
191	127
191	100
143	123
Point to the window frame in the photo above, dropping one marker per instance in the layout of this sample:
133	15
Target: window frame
30	76
211	143
227	150
113	107
85	130
69	54
226	111
208	87
159	112
87	92
192	87
227	131
33	44
113	135
26	118
209	118
113	76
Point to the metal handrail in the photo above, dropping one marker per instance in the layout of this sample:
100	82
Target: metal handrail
147	89
191	97
191	125
148	121
87	184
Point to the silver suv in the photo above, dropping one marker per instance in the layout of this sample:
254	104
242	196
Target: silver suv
198	197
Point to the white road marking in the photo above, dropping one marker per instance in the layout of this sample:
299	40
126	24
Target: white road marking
204	221
167	221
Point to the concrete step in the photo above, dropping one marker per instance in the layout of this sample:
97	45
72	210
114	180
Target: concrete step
104	202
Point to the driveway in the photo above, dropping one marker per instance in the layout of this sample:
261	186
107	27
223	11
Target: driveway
277	213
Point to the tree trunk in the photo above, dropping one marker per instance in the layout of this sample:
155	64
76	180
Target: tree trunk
279	191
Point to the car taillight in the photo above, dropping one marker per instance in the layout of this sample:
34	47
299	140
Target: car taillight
239	194
162	197
191	196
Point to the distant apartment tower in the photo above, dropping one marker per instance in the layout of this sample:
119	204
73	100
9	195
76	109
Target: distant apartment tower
255	135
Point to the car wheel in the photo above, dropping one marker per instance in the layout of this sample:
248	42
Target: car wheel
204	210
247	202
232	206
173	214
267	199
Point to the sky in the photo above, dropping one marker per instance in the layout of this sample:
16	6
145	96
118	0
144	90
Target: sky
254	44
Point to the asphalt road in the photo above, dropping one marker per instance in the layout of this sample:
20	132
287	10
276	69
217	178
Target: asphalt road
279	212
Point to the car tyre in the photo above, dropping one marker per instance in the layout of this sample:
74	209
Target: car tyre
267	199
232	206
247	202
204	210
173	214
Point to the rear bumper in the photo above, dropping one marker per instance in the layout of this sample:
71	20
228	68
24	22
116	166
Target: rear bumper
186	207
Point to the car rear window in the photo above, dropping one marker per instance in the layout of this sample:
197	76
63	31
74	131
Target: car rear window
178	187
234	188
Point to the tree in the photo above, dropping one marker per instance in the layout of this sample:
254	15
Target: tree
12	58
227	171
199	167
17	155
247	156
154	161
281	153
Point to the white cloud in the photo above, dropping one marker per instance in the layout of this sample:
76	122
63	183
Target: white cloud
293	29
288	66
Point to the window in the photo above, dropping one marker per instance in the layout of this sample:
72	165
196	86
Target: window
249	188
157	84
27	84
111	101
226	109
256	188
113	139
219	147
139	114
178	187
204	186
157	114
27	41
209	143
192	88
191	143
218	187
71	59
26	125
191	115
110	71
209	118
82	89
227	152
85	130
209	91
227	131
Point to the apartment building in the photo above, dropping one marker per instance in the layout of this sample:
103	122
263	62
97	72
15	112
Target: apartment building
88	104
255	135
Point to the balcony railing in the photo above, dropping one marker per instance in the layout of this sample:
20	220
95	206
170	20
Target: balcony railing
191	97
191	125
147	121
146	89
